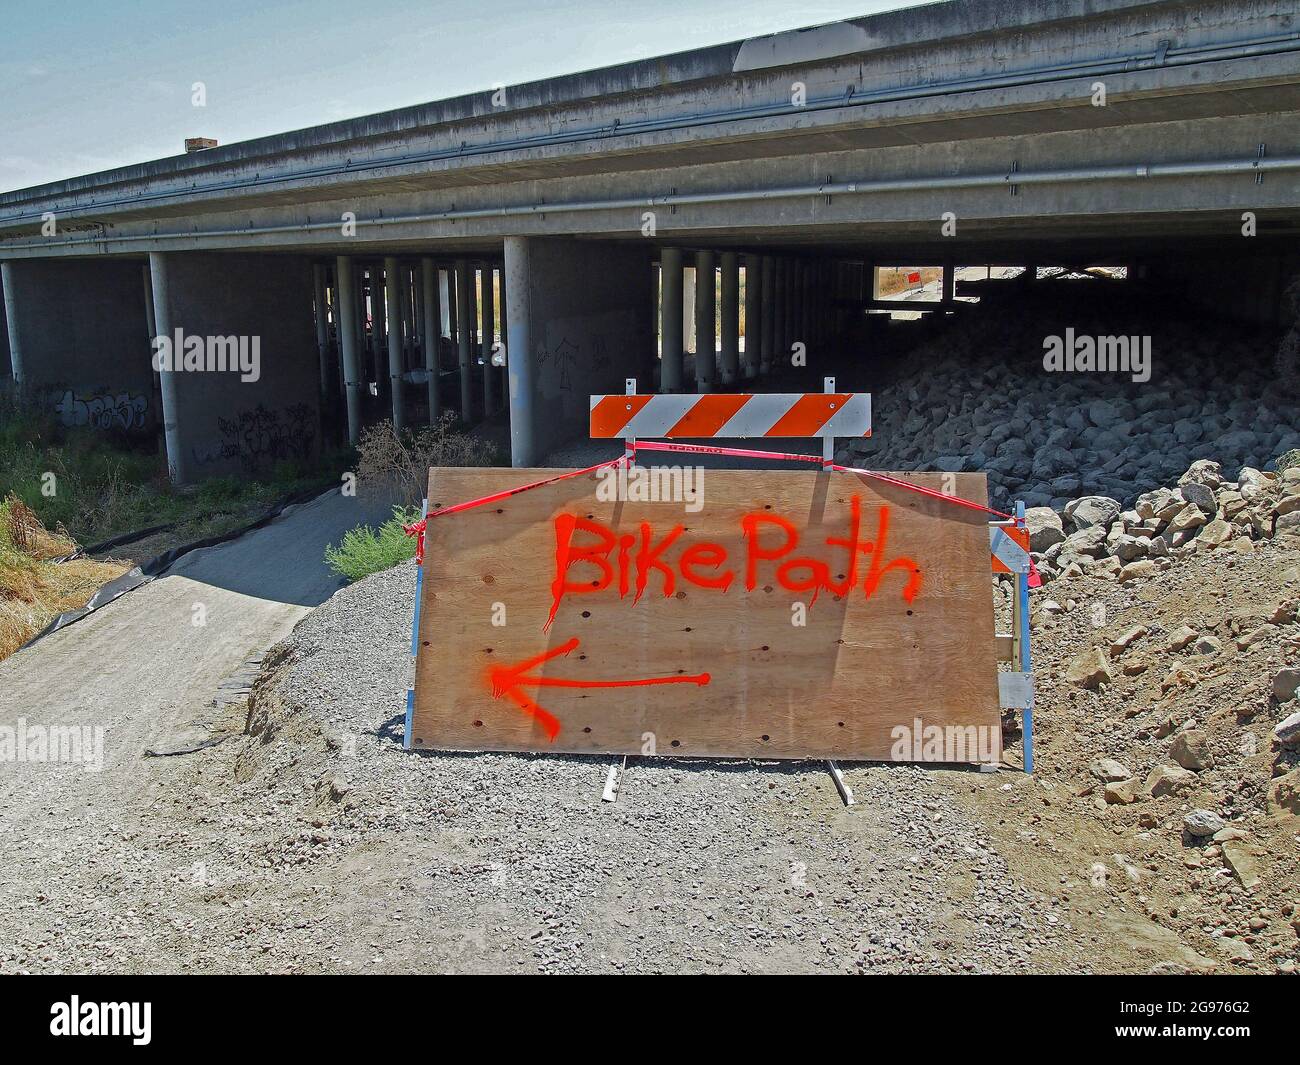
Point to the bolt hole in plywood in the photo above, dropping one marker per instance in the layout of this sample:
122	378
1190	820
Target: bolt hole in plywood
628	632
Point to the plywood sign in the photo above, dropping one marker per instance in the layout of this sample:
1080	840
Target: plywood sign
783	615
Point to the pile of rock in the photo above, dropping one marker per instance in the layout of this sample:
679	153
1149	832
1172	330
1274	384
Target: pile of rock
976	397
1095	535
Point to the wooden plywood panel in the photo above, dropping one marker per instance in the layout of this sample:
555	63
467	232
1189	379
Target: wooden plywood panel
709	659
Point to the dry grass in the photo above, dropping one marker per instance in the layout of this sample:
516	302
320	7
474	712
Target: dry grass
397	465
34	589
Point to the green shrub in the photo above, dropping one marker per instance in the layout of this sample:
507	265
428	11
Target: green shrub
364	550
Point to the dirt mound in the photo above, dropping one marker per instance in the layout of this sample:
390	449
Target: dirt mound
1167	733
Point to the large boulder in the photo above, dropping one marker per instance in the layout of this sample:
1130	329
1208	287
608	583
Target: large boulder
1202	496
1203	471
1092	512
1086	543
1109	771
1045	528
1191	750
1284	795
1168	780
1285	683
1287	731
1202	823
1188	518
1089	670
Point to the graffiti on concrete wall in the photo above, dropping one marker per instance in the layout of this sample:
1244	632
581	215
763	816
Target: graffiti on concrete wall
259	437
564	357
103	411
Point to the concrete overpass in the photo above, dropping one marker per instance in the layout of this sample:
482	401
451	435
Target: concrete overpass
370	257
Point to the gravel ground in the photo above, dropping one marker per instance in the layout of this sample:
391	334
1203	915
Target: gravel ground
698	866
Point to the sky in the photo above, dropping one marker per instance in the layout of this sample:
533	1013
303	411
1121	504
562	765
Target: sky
112	82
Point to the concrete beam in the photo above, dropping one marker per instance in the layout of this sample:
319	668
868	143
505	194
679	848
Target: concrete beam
731	103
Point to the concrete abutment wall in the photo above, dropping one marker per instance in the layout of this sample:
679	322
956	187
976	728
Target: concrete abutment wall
77	341
228	421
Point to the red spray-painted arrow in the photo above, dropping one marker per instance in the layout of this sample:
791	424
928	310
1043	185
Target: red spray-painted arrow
506	682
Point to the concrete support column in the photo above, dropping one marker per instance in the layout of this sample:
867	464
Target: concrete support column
359	317
377	351
763	357
463	281
348	343
489	338
729	356
670	320
502	309
753	316
176	466
11	321
800	296
689	276
151	327
472	323
148	302
821	301
430	331
706	336
517	296
340	384
393	300
410	307
449	276
322	332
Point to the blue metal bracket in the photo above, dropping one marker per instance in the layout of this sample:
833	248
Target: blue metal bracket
415	642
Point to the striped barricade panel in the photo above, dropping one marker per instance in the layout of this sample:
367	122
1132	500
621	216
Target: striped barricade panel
1010	549
665	416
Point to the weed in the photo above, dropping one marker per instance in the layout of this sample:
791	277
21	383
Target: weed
364	550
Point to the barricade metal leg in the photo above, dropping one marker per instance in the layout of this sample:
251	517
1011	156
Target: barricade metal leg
415	642
1022	635
841	785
